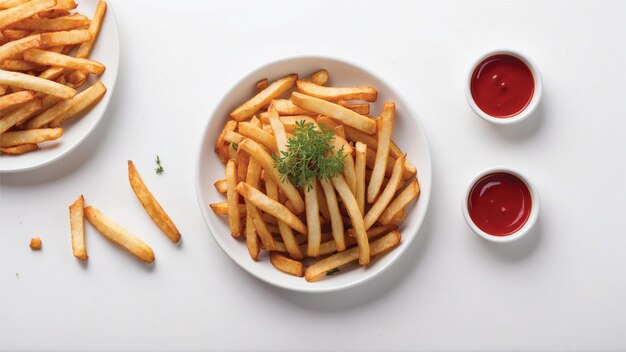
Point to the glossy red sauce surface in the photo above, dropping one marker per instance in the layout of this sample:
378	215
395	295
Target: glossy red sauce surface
499	204
502	86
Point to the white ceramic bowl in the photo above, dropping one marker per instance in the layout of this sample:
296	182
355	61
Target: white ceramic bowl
107	51
408	134
522	115
534	211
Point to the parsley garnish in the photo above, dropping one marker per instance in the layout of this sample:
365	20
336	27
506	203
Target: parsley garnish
235	146
308	156
159	169
333	271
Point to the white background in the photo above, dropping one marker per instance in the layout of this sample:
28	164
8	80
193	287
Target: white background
562	287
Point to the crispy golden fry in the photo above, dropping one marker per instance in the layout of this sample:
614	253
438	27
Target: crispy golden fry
35	243
94	28
229	126
355	218
291	245
263	98
336	93
313	220
11	139
43	57
3	89
385	197
81	102
286	265
267	163
220	186
77	228
334	261
287	107
21	80
15	34
253	178
278	129
7	4
257	134
20	65
22	11
363	109
52	73
19	149
370	160
338	130
261	84
323	205
119	235
338	112
53	13
64	23
400	202
16	47
151	205
252	240
243	159
382	153
20	114
65	38
398	218
233	198
336	221
320	77
9	100
233	137
359	168
221	208
375	231
270	206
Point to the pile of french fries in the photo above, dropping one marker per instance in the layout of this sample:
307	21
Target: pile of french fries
116	233
351	217
44	50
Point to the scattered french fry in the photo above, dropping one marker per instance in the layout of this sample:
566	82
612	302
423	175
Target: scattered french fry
77	228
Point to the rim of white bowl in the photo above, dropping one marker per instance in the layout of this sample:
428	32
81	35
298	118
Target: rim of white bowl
532	105
424	194
534	210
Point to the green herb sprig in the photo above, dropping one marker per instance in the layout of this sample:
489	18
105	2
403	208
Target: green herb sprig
308	156
159	169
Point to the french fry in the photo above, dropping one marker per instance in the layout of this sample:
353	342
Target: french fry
382	153
20	114
400	202
53	13
323	205
252	240
267	163
220	186
336	93
243	160
221	208
233	137
287	107
119	235
77	228
290	122
50	58
64	23
229	126
355	218
94	28
257	134
253	178
370	160
22	11
285	264
7	4
81	102
21	80
398	218
363	108
336	221
386	196
359	168
15	34
19	149
35	243
253	105
320	77
9	100
334	261
280	135
16	47
260	85
312	220
291	245
151	205
335	111
12	139
20	65
270	206
233	198
376	231
53	39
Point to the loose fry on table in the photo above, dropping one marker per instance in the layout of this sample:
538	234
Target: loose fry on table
320	77
66	109
362	108
359	168
94	28
52	39
312	220
151	205
336	93
285	264
382	153
77	228
338	112
21	80
400	202
233	198
253	179
336	221
267	163
11	139
23	11
16	47
270	206
385	197
119	235
291	245
263	98
247	129
6	4
50	58
220	186
19	149
355	217
35	243
334	261
64	23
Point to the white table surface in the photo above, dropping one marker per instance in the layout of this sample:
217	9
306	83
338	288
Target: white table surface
563	287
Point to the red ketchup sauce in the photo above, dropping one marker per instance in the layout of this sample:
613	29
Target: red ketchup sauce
499	204
502	86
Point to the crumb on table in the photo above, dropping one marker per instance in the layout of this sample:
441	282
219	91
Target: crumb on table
35	243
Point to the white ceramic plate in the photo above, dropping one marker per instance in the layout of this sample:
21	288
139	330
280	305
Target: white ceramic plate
408	134
107	51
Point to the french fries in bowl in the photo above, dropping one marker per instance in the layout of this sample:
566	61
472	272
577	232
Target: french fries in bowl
313	174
